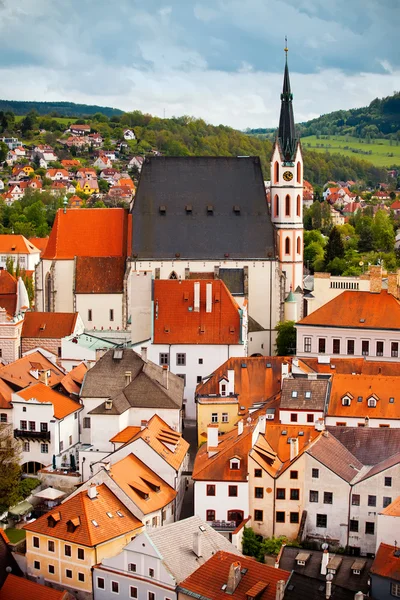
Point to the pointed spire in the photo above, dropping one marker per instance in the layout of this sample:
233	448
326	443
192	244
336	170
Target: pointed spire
286	131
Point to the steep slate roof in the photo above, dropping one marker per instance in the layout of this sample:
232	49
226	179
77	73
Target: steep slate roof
16	588
300	386
207	581
99	275
8	292
48	325
16	244
331	453
63	406
89	232
186	186
87	511
369	445
358	310
24	371
386	564
176	321
364	386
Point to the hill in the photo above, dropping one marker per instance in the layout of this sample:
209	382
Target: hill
57	109
381	152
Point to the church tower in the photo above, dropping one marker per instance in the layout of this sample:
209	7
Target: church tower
287	191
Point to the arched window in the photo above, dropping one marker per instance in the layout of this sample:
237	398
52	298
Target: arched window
287	206
298	245
371	403
276	172
298	172
276	206
173	275
298	206
48	292
287	245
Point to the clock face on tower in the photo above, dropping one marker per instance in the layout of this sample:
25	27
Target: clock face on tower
288	176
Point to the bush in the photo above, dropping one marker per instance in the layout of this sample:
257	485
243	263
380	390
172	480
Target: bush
26	486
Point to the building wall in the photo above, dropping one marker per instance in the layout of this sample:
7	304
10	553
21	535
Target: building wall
207	408
26	261
360	421
53	345
387	530
63	297
285	416
221	502
101	305
10	338
381	587
126	581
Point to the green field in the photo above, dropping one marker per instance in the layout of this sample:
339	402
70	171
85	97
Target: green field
379	151
63	120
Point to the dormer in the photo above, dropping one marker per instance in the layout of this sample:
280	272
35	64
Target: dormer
223	386
372	400
53	519
302	558
234	463
346	399
72	524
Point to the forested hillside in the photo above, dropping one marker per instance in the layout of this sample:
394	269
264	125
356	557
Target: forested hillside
57	109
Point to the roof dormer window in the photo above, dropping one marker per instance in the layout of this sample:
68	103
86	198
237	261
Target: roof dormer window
294	394
371	402
346	401
308	394
234	464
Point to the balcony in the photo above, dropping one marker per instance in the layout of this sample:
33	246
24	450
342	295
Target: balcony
32	435
224	525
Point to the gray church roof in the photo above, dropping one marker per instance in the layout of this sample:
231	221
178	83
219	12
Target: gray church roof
202	208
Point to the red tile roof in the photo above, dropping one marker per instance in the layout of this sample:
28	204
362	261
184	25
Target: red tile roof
395	205
89	232
39	243
16	244
360	310
364	386
348	366
177	322
48	325
208	579
63	405
99	275
393	510
8	292
386	564
24	371
18	588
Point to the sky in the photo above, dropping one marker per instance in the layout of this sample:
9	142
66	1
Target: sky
220	60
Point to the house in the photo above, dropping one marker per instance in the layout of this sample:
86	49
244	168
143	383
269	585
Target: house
240	578
45	152
136	163
77	141
119	193
388	523
195	326
14	193
355	324
110	175
87	186
159	559
395	207
380	195
15	588
26	370
127	182
20	250
20	151
46	329
86	173
336	217
33	184
47	424
11	142
57	174
85	347
103	162
76	129
95	139
75	202
70	163
62	188
385	573
129	134
304	400
63	545
124	389
11	157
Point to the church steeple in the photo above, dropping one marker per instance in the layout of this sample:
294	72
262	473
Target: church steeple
286	132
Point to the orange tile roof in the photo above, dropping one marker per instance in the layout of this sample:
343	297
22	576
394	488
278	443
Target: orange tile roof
99	274
16	244
126	182
48	325
350	365
208	579
74	162
161	438
5	395
144	487
126	435
393	510
52	173
39	243
174	323
109	233
363	386
360	310
8	292
386	564
20	373
72	382
63	405
18	588
86	510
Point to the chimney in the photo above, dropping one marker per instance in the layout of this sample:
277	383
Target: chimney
43	377
280	589
375	279
197	543
128	377
231	381
143	351
359	596
284	370
328	587
197	296
294	448
143	424
262	419
208	297
325	560
212	436
392	284
92	491
234	577
240	427
165	376
108	404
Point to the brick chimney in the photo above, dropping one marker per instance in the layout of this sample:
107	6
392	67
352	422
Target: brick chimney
393	284
43	377
375	279
280	589
234	577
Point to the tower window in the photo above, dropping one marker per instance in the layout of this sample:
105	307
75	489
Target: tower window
287	245
298	172
276	206
298	245
287	206
298	206
276	172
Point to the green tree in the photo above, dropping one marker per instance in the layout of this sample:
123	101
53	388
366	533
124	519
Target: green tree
3	151
334	247
10	265
383	232
272	545
251	543
103	186
9	468
286	338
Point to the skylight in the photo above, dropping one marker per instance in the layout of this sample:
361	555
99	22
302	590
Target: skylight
95	523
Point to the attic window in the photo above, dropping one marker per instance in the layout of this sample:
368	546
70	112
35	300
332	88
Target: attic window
162	209
166	329
234	464
359	399
244	366
236	209
118	354
110	515
362	320
308	394
119	513
201	328
371	403
188	209
391	400
284	432
186	296
95	523
346	401
217	297
210	209
294	394
269	365
356	572
231	329
42	327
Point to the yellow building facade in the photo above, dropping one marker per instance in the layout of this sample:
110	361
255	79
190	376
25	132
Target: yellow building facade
222	411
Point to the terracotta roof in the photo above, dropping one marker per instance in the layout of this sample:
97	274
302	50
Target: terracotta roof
395	205
362	387
63	405
5	395
142	485
52	172
73	380
334	455
360	310
16	244
99	275
89	232
126	435
177	322
25	370
126	182
387	562
370	445
49	325
164	440
70	163
39	243
307	394
16	588
208	580
393	510
350	365
8	292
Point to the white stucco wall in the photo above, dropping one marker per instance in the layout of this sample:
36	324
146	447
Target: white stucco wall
387	530
284	416
100	305
221	502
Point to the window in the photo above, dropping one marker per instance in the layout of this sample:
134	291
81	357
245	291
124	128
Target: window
395	349
322	521
287	206
386	501
164	358
310	418
276	206
198	379
298	207
258	515
294	474
280	516
276	177
35	542
379	348
258	492
280	493
210	490
36	564
100	583
210	515
151	572
151	596
395	589
32	426
293	417
181	359
68	573
321	345
81	554
365	347
89	314
225	417
295	494
371	403
307	344
214	417
50	546
350	346
294	517
70	440
355	499
315	473
115	587
328	498
354	525
27	447
298	247
23	425
86	423
51	569
43	427
234	464
67	550
388	482
313	496
132	567
287	245
44	448
257	472
346	401
371	500
3	418
232	490
61	446
81	577
336	346
223	389
111	314
200	361
370	528
133	592
298	170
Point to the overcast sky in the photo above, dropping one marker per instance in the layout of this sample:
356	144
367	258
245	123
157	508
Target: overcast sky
221	60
